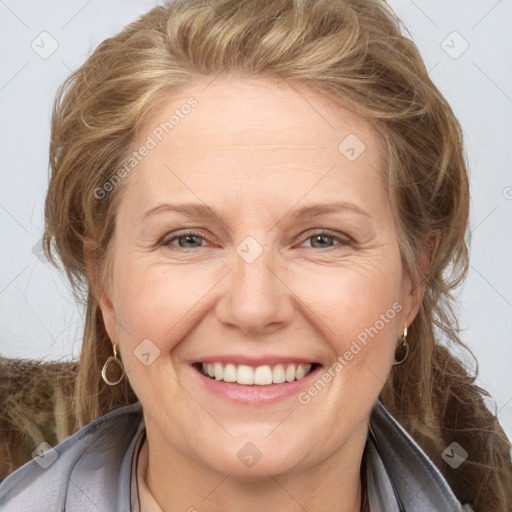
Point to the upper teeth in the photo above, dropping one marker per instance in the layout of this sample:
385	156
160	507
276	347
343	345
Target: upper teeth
261	375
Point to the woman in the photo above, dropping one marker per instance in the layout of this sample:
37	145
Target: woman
267	203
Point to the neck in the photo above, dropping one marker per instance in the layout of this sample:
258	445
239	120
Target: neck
177	482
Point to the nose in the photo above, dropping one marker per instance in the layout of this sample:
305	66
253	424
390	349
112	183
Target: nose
256	299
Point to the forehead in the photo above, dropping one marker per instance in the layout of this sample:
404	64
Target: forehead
227	108
222	133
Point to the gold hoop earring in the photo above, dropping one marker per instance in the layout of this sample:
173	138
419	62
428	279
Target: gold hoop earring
117	362
406	348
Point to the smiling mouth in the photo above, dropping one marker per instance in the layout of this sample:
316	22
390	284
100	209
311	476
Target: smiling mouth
264	375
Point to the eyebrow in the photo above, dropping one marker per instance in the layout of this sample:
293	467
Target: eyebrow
202	211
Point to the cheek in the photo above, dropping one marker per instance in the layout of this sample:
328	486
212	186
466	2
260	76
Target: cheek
358	312
348	300
154	309
158	301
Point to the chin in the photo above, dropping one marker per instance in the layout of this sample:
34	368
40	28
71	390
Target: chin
264	469
247	460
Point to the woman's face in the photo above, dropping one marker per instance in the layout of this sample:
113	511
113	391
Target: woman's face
255	238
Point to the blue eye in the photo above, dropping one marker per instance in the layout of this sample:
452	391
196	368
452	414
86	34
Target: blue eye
322	237
186	237
192	240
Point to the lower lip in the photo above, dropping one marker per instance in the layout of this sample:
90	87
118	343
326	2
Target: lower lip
255	395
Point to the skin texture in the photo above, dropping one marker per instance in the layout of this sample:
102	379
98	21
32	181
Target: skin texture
255	152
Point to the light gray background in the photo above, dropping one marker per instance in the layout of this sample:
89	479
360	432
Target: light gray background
38	316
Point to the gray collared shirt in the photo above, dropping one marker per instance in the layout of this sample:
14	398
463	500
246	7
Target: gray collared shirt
94	469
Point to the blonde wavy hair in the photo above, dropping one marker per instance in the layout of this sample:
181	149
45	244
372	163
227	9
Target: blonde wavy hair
355	53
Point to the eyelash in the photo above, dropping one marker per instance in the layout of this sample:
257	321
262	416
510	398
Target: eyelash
325	232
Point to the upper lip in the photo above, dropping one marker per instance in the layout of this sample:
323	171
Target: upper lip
255	361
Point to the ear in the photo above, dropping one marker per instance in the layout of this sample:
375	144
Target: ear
415	295
93	256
